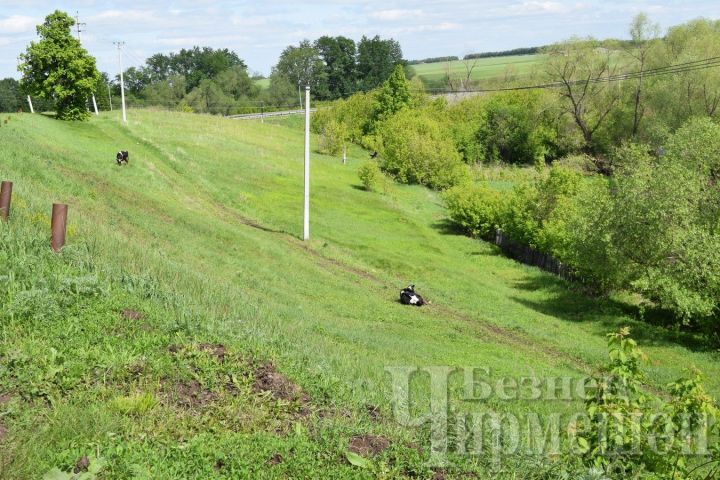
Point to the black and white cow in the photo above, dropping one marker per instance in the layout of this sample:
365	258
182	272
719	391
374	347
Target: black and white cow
409	297
122	157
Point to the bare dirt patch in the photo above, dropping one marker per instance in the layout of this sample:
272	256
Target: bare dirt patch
217	350
189	394
130	314
275	459
268	379
439	475
3	432
368	445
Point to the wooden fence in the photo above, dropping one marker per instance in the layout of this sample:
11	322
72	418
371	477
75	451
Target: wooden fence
530	256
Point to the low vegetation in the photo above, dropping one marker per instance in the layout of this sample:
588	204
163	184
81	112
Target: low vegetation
109	352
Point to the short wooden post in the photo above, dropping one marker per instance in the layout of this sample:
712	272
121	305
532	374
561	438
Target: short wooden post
5	199
58	226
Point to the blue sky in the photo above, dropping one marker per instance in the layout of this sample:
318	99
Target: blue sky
258	31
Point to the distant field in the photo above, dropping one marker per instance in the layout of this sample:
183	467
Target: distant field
262	82
484	69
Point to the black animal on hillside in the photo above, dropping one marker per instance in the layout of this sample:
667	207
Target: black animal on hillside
374	155
122	157
408	296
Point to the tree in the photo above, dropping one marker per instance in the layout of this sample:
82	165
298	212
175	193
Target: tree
338	55
581	67
303	66
208	97
102	92
166	93
395	95
643	34
376	60
10	96
236	83
57	67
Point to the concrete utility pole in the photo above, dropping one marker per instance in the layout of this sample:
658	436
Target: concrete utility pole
32	110
77	25
122	80
306	224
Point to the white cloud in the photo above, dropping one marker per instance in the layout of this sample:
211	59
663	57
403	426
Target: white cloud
540	7
18	24
396	14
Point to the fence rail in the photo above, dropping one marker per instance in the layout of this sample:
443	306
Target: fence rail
530	256
284	113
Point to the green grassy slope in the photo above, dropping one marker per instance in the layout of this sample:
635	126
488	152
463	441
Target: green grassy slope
200	232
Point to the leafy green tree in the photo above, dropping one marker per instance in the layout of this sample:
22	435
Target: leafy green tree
10	96
644	36
415	148
208	97
676	98
303	66
395	95
581	67
376	60
236	83
102	92
338	55
58	68
166	93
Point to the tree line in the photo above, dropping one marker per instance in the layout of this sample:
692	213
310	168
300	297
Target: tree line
62	76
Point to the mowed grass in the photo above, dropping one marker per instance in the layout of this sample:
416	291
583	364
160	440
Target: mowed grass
482	68
201	232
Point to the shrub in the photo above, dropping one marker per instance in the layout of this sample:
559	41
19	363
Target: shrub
629	433
475	208
370	175
416	149
333	138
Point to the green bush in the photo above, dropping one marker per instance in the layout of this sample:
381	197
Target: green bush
513	127
416	148
333	138
632	433
370	175
476	209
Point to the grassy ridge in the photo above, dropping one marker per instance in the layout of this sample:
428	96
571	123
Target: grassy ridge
484	69
205	223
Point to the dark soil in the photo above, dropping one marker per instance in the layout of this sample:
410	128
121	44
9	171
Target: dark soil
373	411
216	350
82	464
439	475
275	459
368	445
268	379
190	394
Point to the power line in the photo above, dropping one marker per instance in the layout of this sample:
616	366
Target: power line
78	24
668	70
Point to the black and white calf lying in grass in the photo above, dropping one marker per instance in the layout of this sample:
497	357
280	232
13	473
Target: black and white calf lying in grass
122	157
409	297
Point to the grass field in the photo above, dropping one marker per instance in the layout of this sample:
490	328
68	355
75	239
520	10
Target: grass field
484	69
199	235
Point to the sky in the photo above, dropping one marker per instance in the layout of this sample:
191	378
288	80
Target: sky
259	31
